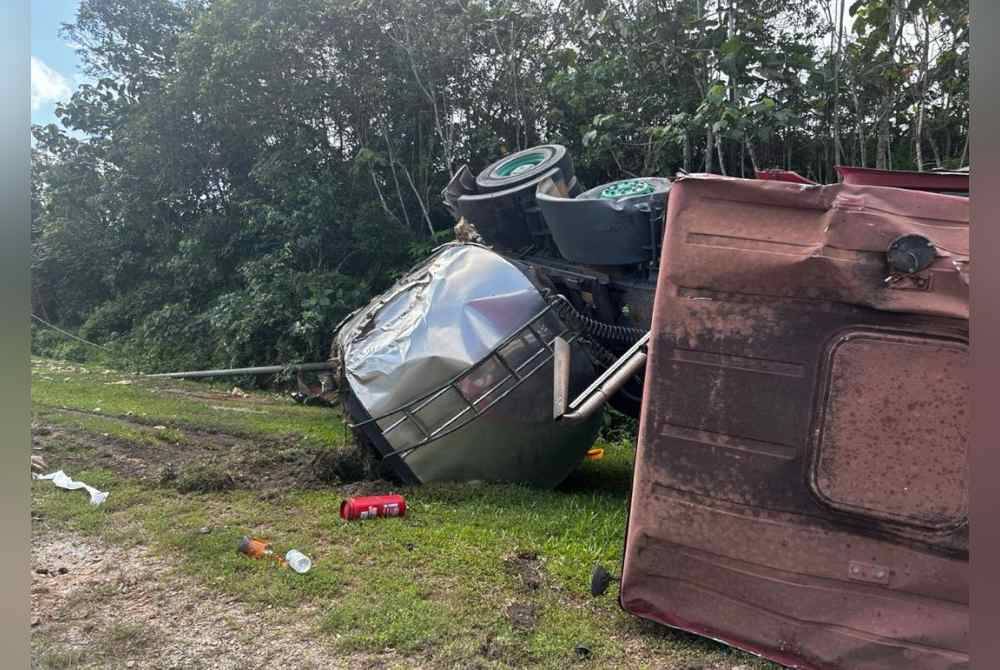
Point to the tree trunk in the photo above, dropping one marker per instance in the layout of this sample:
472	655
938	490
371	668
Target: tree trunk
722	162
420	201
753	157
709	135
882	159
709	148
730	34
838	149
687	152
918	140
934	149
825	165
882	144
918	153
862	140
395	177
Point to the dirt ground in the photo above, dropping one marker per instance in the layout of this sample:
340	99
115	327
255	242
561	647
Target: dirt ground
224	460
95	605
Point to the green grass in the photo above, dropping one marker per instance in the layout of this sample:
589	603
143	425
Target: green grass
102	425
154	402
435	584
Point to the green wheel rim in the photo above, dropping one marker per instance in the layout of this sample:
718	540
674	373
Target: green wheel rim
627	188
520	164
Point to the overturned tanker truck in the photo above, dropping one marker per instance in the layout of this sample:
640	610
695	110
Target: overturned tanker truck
449	375
797	355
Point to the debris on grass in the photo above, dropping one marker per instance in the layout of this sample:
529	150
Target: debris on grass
600	580
204	478
522	616
298	561
244	410
257	548
63	481
370	507
311	400
525	566
38	464
254	547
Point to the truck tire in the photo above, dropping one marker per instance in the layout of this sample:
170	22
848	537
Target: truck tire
524	166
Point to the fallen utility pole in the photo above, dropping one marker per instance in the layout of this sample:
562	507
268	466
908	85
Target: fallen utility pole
263	370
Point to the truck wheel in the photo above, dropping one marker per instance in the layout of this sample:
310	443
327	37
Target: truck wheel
524	166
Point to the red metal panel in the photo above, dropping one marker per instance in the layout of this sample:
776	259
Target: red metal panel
783	175
944	182
872	453
732	533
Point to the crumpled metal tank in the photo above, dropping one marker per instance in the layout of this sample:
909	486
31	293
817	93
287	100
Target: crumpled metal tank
448	375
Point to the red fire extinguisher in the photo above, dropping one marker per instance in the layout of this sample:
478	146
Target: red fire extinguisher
369	507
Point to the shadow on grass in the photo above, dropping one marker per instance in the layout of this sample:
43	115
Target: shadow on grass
613	478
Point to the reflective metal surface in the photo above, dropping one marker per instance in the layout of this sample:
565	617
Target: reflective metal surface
450	371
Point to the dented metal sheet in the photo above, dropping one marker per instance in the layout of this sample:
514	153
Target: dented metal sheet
439	320
819	242
448	375
801	481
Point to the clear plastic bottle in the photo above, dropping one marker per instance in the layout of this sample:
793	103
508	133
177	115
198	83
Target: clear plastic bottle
298	561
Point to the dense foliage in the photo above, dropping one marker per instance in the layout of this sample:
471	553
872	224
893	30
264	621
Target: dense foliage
252	170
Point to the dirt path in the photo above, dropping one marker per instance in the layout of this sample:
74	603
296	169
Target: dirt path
95	605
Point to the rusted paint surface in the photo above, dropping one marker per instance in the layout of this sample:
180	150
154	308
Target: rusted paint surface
944	182
783	175
872	456
801	480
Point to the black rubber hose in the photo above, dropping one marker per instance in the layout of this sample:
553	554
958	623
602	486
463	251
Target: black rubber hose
602	331
604	358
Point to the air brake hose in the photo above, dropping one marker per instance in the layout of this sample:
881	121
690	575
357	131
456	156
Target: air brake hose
598	329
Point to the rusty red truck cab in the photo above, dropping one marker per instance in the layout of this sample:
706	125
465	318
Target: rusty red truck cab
801	479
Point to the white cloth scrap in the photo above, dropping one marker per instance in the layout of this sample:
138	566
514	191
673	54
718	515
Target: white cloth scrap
63	481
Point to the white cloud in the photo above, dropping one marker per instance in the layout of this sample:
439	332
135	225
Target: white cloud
47	85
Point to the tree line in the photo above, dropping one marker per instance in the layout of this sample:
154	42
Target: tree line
239	175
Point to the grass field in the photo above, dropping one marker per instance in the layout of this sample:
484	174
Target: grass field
482	576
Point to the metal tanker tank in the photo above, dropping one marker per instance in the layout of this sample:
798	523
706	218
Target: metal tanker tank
448	376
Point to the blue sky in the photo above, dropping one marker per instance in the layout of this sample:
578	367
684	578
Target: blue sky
55	69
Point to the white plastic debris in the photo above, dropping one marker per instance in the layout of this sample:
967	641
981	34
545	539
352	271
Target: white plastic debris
63	481
298	561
